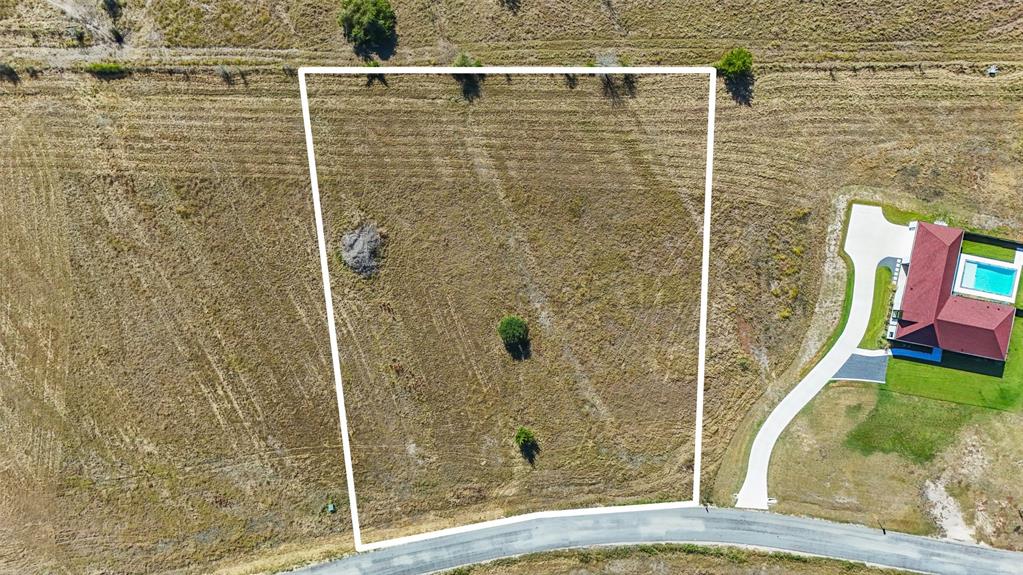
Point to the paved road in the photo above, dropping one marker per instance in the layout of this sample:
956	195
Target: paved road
695	525
870	239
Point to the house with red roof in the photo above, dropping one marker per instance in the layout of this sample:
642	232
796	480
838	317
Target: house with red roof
930	311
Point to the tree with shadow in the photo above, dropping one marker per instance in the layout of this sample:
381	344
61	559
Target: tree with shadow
471	84
527	443
370	27
736	66
514	332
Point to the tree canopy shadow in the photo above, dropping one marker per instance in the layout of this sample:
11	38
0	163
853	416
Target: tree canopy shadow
530	449
9	74
372	78
519	351
740	87
617	89
571	80
511	5
383	49
471	85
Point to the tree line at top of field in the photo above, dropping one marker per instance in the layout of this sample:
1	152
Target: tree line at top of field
371	27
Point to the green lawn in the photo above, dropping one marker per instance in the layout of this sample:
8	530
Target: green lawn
902	217
951	382
989	251
914	427
1019	293
883	290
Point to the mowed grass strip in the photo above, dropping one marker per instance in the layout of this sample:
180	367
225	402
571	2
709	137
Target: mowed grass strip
985	250
883	289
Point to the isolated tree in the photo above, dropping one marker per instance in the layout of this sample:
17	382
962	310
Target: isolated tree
736	62
526	441
513	330
737	68
367	22
515	334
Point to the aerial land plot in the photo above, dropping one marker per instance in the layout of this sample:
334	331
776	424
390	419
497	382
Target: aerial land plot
575	203
165	383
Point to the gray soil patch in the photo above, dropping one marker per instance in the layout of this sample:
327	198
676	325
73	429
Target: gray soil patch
360	249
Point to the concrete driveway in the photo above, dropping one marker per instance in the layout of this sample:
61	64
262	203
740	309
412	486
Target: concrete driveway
869	240
693	525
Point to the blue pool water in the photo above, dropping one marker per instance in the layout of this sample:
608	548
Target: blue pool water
989	278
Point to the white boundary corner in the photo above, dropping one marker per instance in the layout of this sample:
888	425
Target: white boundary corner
328	298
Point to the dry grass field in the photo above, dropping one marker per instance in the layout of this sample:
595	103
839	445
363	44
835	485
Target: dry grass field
544	197
787	32
165	392
165	396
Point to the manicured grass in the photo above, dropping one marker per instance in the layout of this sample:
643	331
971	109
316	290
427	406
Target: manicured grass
992	251
1019	293
902	217
950	381
914	427
883	290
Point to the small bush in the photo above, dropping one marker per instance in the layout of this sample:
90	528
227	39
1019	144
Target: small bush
107	69
464	60
367	22
472	84
526	441
736	62
513	330
524	435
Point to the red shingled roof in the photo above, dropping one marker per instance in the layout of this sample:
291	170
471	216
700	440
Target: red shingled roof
933	317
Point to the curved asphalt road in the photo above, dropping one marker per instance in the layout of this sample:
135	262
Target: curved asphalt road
690	525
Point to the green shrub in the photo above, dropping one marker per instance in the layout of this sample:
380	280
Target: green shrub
524	436
528	446
513	330
736	62
367	22
107	69
464	60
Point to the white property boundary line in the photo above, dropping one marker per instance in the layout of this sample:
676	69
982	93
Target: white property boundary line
328	298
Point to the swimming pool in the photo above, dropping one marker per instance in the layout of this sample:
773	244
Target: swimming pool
988	278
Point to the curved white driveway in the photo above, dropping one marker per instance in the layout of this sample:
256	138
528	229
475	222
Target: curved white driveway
870	238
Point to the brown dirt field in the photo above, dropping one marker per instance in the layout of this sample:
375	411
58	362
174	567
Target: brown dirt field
581	213
665	559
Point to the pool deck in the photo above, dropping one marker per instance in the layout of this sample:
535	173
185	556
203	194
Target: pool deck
1010	299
